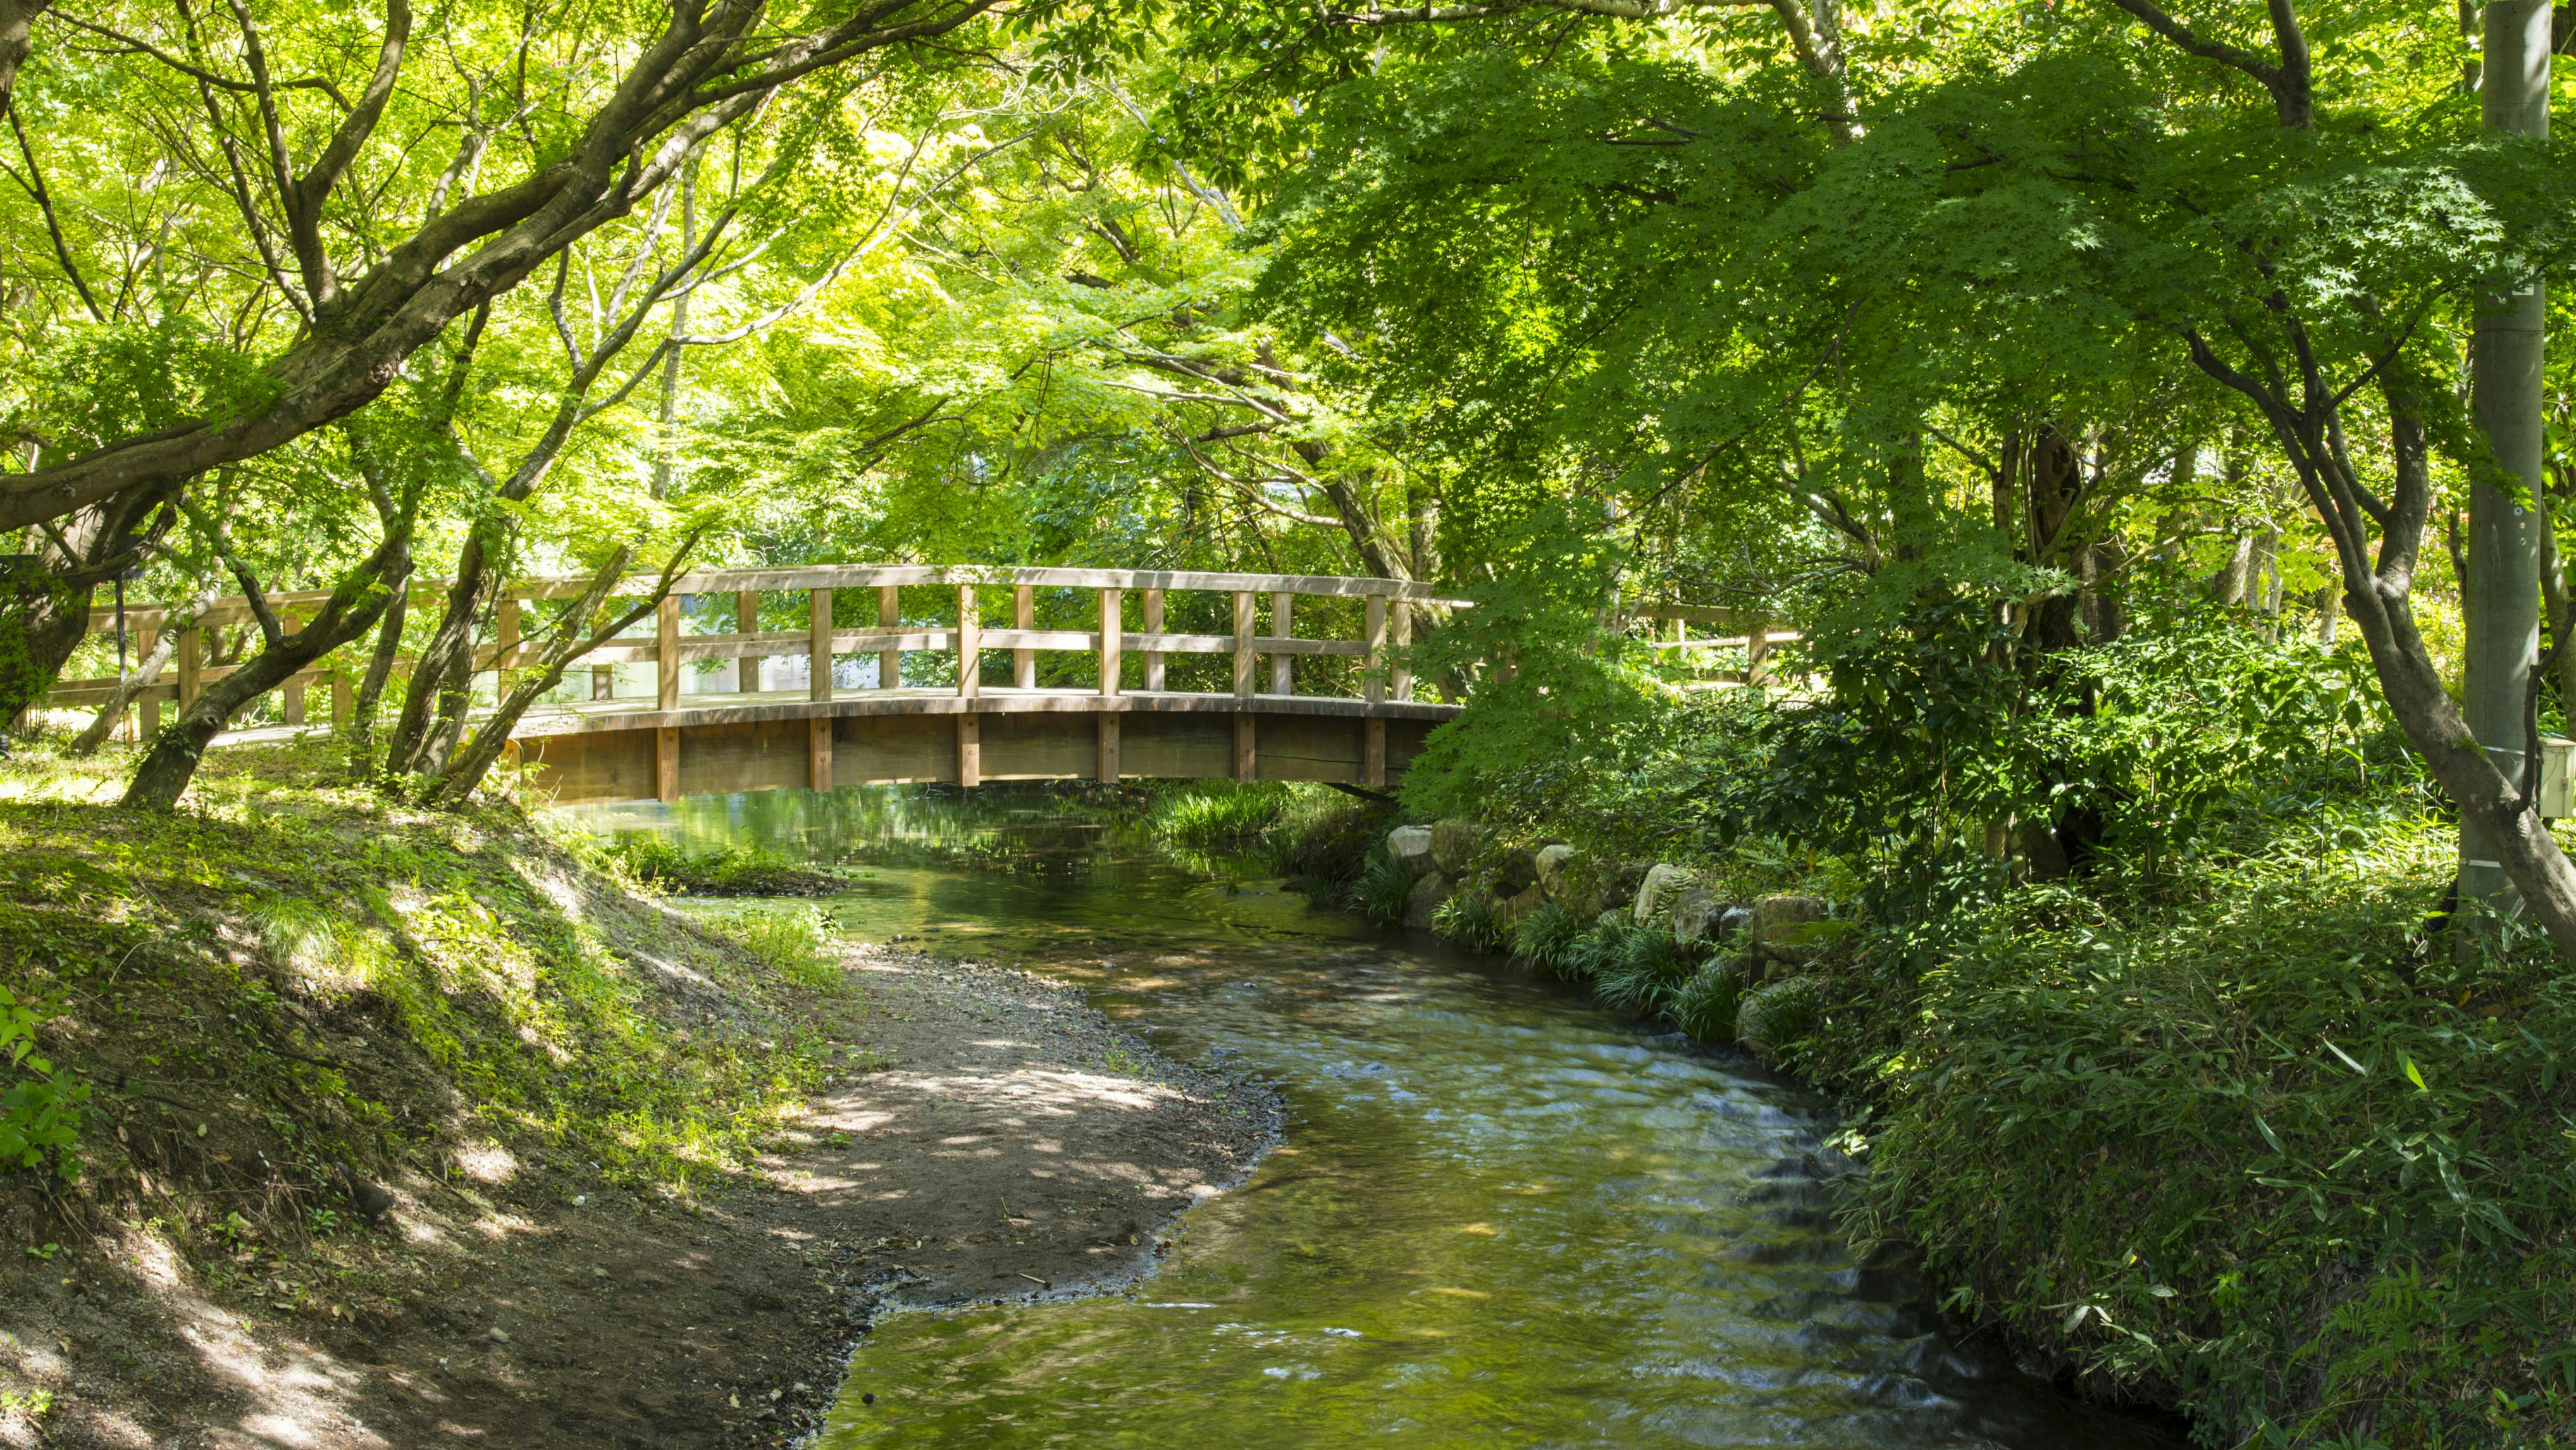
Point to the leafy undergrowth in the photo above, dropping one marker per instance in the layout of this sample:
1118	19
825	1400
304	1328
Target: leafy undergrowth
725	870
2251	1142
287	985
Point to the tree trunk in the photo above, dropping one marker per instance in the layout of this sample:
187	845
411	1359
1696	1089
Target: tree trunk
442	677
145	671
371	689
2506	357
354	607
44	608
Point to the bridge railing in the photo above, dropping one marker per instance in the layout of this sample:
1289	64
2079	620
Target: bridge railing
1387	613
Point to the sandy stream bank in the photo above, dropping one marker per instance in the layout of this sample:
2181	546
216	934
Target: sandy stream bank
1017	1144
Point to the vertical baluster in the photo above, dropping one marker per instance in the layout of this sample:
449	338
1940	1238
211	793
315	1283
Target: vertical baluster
1283	616
148	713
1024	615
889	616
1112	639
290	696
746	620
1400	675
191	658
1374	675
818	643
1153	625
970	644
1243	644
666	655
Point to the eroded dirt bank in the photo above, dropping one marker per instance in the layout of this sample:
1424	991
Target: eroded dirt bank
985	1136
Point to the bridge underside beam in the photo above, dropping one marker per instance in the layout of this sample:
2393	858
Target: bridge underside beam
601	765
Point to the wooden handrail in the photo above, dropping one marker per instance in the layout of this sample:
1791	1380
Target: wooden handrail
855	576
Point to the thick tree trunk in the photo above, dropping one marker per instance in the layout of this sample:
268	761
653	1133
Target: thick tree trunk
2506	357
352	609
17	38
44	606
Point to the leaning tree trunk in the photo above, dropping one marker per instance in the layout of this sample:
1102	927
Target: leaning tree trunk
361	750
146	670
350	612
434	704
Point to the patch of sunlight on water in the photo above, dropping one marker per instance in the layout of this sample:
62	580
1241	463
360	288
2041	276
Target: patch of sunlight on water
1502	1216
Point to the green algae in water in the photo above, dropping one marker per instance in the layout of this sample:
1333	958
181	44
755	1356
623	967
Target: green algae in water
1501	1216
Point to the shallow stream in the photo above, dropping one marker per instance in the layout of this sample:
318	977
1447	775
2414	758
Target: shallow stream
1501	1216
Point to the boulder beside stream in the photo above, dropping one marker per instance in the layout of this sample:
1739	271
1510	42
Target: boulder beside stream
1425	899
1410	848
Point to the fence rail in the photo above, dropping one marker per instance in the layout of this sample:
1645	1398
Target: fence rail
1388	607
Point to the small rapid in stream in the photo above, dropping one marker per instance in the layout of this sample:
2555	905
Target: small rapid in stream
1501	1216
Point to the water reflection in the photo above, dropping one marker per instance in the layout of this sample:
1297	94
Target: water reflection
1502	1216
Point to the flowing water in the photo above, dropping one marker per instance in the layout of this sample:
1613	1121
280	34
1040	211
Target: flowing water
1501	1216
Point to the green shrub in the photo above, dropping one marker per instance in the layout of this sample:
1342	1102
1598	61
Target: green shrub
40	1112
1467	920
1220	817
801	943
1546	938
1381	890
728	870
1777	1015
1641	968
1706	1005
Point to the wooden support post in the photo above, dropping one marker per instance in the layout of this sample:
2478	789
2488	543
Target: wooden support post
970	750
818	754
1024	615
1243	757
1757	653
1374	675
1373	753
818	644
1113	639
603	682
889	616
344	701
666	765
1243	656
290	696
1108	746
970	644
746	620
191	657
666	654
147	717
1153	625
1400	676
1283	616
505	641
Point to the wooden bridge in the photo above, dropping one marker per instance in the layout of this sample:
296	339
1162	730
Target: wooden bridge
1108	714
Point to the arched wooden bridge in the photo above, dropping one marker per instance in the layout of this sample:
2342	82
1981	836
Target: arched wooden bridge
1116	716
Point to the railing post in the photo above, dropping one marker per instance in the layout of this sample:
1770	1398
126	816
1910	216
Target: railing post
1400	678
1243	644
1112	638
290	696
970	644
889	616
1024	615
666	655
1283	668
147	720
1757	652
505	641
818	643
1374	676
344	701
191	646
1153	625
746	620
